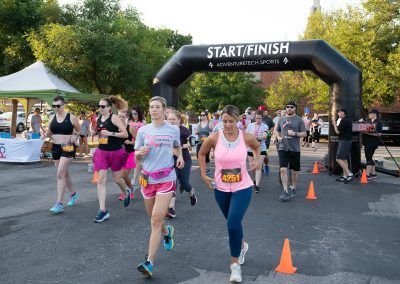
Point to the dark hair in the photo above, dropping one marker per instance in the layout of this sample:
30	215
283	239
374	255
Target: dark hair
139	112
343	110
292	103
232	111
83	112
59	98
260	112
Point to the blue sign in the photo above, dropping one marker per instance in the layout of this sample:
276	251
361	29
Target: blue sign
307	110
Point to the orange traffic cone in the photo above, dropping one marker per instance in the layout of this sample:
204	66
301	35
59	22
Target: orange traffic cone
311	193
315	169
95	176
364	177
286	266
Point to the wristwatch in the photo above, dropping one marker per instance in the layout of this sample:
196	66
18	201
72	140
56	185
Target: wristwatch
113	133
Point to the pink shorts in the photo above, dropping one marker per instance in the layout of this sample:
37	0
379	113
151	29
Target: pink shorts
158	188
115	160
130	161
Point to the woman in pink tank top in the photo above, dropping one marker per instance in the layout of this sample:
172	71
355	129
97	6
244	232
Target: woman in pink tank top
232	184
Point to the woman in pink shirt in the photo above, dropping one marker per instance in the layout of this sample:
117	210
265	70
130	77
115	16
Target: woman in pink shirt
232	184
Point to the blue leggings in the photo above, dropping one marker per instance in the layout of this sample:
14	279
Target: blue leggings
234	205
183	176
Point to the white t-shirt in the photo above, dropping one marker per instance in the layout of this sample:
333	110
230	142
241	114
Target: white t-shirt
258	131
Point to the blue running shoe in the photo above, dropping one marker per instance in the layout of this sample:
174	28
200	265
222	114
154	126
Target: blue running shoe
127	199
101	216
146	268
57	208
72	199
168	239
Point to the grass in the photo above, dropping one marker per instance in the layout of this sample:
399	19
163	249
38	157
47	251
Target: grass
390	159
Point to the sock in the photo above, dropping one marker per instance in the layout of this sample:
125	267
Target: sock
73	194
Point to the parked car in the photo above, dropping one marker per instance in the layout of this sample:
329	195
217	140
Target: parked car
325	125
5	121
390	127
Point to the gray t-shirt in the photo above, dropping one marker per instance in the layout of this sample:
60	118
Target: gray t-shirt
160	140
36	122
290	143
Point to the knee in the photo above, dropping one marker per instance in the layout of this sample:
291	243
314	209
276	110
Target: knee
283	171
157	220
61	175
234	228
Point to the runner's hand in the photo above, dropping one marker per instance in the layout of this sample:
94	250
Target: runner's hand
180	163
255	165
207	180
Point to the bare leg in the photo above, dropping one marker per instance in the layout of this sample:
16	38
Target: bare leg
101	188
295	177
62	168
284	178
120	181
156	209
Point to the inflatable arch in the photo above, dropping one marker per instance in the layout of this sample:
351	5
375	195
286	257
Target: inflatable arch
342	76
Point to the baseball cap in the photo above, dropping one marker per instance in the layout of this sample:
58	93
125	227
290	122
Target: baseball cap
292	103
262	108
374	110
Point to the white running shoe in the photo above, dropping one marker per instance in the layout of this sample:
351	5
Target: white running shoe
236	273
243	253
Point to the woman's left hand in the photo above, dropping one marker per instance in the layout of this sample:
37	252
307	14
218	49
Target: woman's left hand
74	138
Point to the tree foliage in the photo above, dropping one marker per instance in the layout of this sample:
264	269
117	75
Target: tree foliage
213	91
368	36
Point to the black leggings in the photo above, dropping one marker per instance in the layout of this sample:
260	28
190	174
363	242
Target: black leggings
370	149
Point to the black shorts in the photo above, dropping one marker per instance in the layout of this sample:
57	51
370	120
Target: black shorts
57	152
289	159
263	153
343	149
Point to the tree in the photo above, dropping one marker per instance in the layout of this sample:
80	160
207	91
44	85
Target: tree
213	91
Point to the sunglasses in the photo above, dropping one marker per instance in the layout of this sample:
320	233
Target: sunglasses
102	106
134	113
290	106
57	106
202	115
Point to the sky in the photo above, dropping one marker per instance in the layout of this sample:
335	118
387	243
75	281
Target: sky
231	21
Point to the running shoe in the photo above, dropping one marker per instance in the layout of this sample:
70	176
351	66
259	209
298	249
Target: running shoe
146	268
101	216
256	189
341	179
132	194
284	196
57	208
168	239
208	171
121	197
72	199
243	253
127	199
349	178
171	213
371	176
236	273
292	192
193	198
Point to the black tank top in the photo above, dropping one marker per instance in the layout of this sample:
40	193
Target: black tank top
64	128
129	148
108	143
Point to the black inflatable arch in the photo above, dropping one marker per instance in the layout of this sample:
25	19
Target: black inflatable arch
342	76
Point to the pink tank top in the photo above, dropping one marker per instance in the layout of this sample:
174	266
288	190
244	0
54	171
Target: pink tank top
230	164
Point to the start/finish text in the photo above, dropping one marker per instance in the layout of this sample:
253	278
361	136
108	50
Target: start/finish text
244	50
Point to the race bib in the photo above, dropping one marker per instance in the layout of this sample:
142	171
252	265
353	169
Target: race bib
231	175
143	180
103	140
67	148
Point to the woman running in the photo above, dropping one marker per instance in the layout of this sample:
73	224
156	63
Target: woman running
204	128
154	148
110	154
128	144
136	121
233	185
176	118
61	131
259	130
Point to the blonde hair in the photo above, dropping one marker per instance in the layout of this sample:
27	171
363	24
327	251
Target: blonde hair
160	99
231	111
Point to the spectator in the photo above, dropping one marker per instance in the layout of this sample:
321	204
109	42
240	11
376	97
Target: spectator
307	123
315	130
344	131
45	119
92	117
371	143
36	122
83	137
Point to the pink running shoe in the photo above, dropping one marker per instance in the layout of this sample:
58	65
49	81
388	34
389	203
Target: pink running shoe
121	197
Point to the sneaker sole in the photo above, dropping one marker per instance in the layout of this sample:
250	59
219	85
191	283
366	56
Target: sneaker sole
172	240
241	261
70	204
284	199
56	212
104	218
144	271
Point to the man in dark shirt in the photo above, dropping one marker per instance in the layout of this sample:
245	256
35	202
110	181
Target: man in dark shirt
268	121
344	132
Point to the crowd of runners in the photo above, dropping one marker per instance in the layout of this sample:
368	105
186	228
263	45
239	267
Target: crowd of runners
155	156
